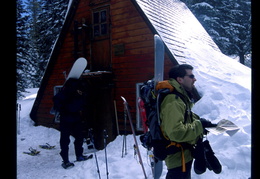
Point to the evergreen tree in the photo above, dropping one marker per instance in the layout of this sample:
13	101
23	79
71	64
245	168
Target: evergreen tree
227	22
50	22
237	26
38	26
34	9
23	63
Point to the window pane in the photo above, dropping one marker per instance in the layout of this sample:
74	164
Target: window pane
103	15
103	29
96	30
96	17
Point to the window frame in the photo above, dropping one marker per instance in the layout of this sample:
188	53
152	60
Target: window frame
98	23
57	89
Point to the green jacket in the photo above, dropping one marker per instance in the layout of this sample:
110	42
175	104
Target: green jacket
172	116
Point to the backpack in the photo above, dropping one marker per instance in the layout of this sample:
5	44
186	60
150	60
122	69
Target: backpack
68	100
154	138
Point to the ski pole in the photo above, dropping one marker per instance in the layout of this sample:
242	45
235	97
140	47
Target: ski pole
18	111
105	145
17	120
124	138
117	127
92	140
126	106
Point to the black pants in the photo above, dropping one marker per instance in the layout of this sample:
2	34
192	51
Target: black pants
176	173
67	129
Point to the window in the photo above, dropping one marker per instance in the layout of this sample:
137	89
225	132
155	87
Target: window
57	89
100	23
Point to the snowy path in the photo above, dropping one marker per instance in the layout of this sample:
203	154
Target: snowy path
233	153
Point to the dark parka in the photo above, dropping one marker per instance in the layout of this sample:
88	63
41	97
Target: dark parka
69	102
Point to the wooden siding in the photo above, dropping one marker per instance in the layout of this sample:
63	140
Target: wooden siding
134	64
137	63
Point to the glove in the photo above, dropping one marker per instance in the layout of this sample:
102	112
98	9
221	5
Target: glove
206	123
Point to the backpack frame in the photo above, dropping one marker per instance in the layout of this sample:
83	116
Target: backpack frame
155	138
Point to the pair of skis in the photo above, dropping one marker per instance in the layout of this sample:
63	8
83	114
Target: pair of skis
156	165
126	106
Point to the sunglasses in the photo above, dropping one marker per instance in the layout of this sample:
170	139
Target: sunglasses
191	76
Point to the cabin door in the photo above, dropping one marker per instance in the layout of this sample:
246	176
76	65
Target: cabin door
100	46
100	110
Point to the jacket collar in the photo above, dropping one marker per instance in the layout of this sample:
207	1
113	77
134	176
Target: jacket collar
179	88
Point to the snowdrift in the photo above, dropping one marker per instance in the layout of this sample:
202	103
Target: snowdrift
225	86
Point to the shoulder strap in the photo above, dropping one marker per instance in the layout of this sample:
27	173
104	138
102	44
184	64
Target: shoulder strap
162	93
187	110
182	98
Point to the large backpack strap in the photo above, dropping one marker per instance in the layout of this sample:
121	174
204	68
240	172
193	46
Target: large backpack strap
162	93
187	110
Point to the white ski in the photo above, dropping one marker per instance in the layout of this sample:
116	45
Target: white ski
77	69
158	76
158	59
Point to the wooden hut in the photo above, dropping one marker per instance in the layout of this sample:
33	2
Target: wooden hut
116	38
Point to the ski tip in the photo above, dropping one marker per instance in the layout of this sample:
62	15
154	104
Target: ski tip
83	60
156	36
158	44
123	99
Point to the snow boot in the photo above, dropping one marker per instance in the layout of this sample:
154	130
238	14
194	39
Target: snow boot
67	165
211	160
83	158
200	162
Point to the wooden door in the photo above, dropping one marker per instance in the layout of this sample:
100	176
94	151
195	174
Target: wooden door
101	60
100	47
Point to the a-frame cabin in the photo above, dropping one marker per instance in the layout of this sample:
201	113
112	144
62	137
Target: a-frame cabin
116	37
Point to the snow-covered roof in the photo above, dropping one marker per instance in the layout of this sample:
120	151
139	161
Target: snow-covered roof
176	25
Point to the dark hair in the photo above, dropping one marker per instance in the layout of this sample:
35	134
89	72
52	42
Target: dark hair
179	71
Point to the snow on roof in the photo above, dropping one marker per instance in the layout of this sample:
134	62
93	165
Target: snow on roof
176	25
189	42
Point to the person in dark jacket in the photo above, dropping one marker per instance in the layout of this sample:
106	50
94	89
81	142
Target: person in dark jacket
70	103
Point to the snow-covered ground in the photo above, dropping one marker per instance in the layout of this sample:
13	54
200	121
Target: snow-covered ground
226	89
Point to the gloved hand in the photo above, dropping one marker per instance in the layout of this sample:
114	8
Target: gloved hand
206	123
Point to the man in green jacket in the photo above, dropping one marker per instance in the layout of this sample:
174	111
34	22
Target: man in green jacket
176	126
